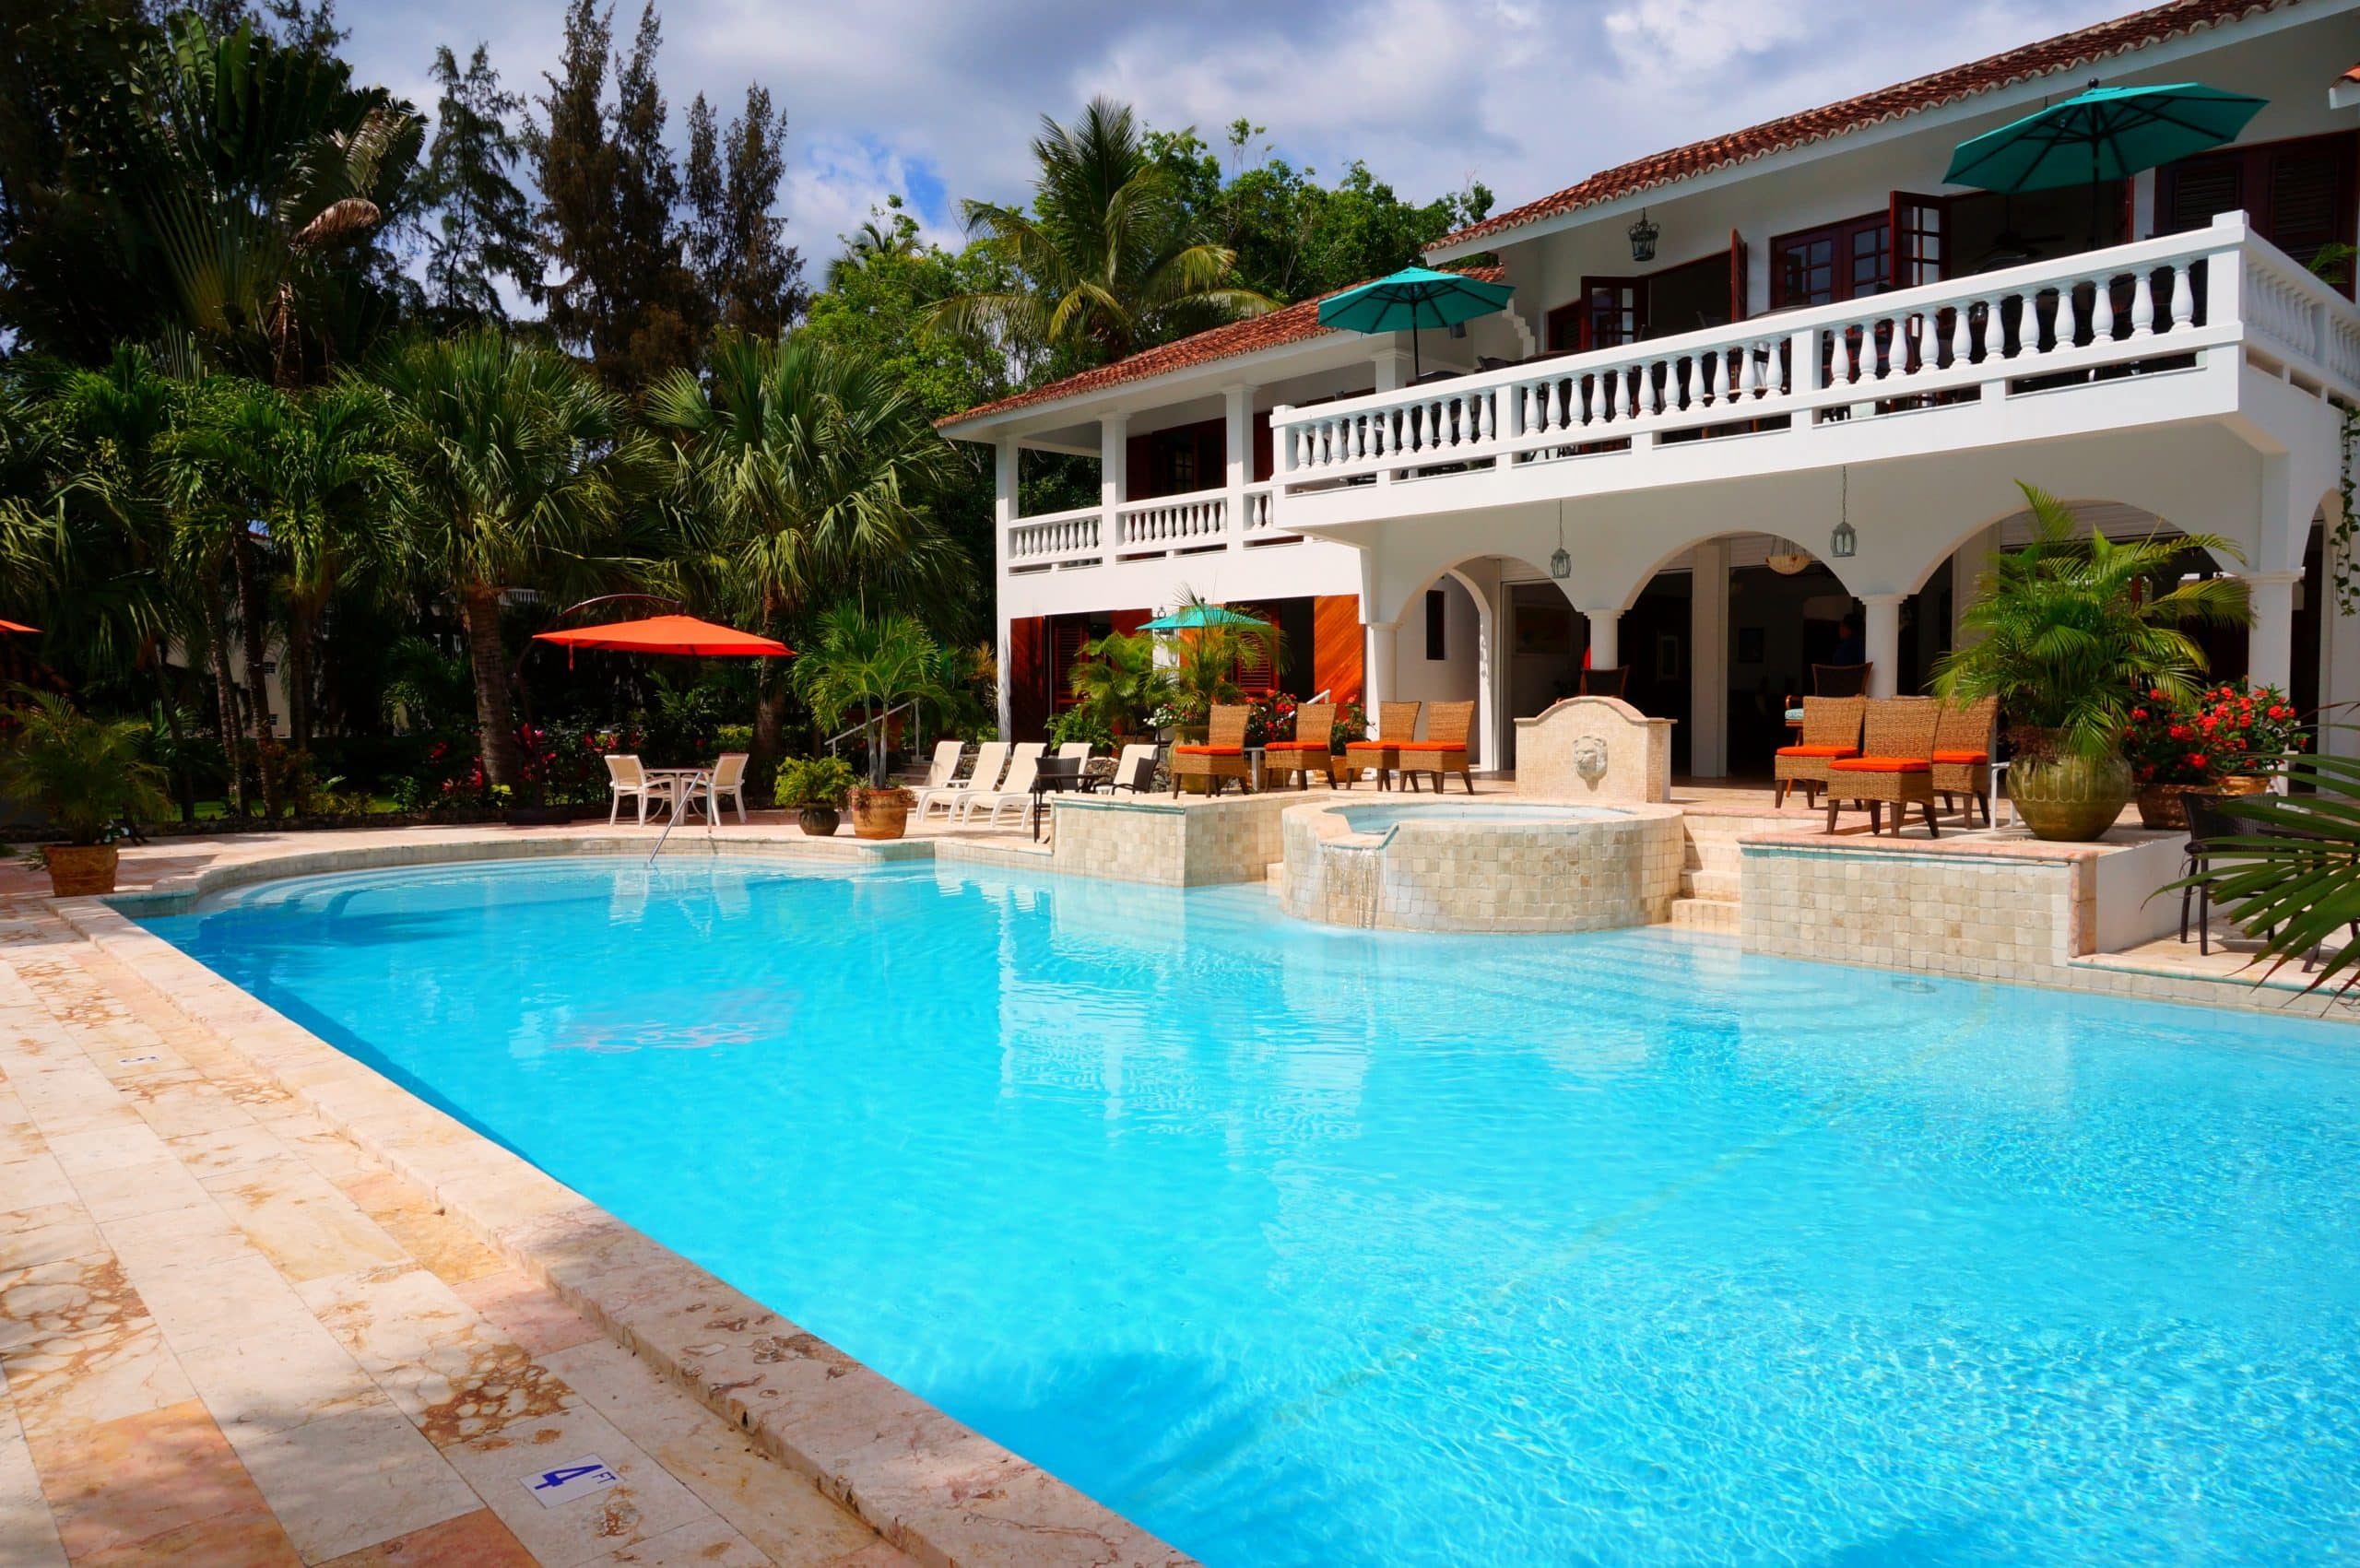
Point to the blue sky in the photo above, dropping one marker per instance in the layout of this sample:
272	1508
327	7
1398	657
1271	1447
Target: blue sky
937	101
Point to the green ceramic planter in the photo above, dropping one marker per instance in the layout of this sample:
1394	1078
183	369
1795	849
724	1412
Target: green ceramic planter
2070	799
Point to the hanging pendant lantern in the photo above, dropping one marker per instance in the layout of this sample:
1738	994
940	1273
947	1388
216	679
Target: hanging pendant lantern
1644	235
1845	543
1561	564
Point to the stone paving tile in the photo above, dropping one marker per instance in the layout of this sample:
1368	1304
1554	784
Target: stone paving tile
234	1336
471	1540
28	1535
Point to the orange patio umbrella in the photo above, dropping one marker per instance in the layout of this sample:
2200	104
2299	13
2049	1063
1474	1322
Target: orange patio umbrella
667	634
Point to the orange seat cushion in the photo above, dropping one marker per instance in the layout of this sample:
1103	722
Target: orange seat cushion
1434	746
1210	750
1317	746
1962	758
1371	746
1881	765
1819	751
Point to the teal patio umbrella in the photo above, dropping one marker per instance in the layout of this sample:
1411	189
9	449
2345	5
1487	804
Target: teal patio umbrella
2099	135
1412	297
1194	617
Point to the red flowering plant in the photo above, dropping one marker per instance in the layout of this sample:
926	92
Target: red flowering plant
2230	728
1269	717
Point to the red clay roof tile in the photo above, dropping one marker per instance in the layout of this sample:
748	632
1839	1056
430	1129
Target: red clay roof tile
2067	51
1288	323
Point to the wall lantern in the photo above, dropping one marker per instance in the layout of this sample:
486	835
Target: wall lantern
1644	235
1561	565
1845	543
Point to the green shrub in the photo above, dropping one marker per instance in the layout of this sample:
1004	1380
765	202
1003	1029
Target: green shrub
814	781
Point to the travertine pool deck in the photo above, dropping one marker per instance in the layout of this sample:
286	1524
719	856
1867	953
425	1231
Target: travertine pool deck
232	1337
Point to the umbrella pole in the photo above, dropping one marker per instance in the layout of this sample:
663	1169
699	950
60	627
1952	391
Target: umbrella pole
1415	371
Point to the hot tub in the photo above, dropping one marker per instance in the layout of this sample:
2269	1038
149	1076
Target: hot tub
1482	865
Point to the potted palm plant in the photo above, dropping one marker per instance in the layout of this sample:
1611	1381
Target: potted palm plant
2066	632
85	775
853	664
815	789
1118	683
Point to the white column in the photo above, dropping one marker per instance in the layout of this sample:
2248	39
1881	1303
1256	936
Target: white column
1113	475
1604	651
1881	631
1709	661
1392	368
1003	519
1237	435
1968	562
1376	674
2269	652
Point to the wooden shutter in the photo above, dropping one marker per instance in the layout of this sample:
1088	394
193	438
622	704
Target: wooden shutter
2306	201
1066	639
2198	189
1737	276
1254	671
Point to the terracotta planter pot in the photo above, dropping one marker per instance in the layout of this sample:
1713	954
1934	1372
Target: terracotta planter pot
2070	799
881	813
80	870
819	821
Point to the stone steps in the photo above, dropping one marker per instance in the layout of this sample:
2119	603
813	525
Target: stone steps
1705	915
1710	882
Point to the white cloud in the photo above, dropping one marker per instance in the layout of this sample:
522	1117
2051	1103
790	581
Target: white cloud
916	97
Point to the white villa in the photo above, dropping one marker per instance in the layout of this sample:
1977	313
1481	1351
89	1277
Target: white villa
1770	396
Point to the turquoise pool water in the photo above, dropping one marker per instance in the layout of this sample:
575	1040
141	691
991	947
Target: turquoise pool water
1305	1246
1378	819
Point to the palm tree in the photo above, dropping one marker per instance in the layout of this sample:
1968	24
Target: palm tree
521	472
1115	260
805	473
89	535
1120	682
855	662
2069	629
242	174
220	460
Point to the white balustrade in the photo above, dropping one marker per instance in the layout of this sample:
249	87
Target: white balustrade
1899	351
1171	522
1054	540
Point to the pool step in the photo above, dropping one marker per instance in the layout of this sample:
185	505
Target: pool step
1274	879
1713	882
1705	915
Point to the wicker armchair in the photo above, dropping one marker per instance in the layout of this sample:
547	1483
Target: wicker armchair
1830	731
1396	723
1309	752
1444	751
1895	767
1962	754
1220	758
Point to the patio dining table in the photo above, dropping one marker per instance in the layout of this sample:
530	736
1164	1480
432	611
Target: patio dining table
679	784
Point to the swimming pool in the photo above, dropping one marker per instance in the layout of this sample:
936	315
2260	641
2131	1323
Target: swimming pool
1307	1246
1376	819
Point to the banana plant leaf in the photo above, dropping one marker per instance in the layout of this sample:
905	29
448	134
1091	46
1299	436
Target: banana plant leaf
2295	877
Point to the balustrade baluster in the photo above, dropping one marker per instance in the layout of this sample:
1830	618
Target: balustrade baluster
1526	398
1488	404
2068	331
2183	282
1748	380
2102	310
1843	346
1557	403
2142	304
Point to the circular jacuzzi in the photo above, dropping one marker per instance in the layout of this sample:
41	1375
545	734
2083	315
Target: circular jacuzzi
1482	865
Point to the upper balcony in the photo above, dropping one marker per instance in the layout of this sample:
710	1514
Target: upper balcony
2138	335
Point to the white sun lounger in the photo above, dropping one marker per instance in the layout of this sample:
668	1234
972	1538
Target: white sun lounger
989	758
1016	792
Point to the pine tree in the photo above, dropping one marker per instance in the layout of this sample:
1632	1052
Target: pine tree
610	195
573	162
482	227
754	281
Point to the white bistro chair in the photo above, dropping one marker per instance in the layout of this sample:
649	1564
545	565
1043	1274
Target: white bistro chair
727	778
628	780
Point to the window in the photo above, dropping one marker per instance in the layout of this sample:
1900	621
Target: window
1844	261
1437	607
2298	193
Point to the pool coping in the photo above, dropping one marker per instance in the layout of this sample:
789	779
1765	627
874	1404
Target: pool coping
946	1494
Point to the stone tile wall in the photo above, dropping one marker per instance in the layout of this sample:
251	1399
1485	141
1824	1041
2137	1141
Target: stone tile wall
1172	844
1592	876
